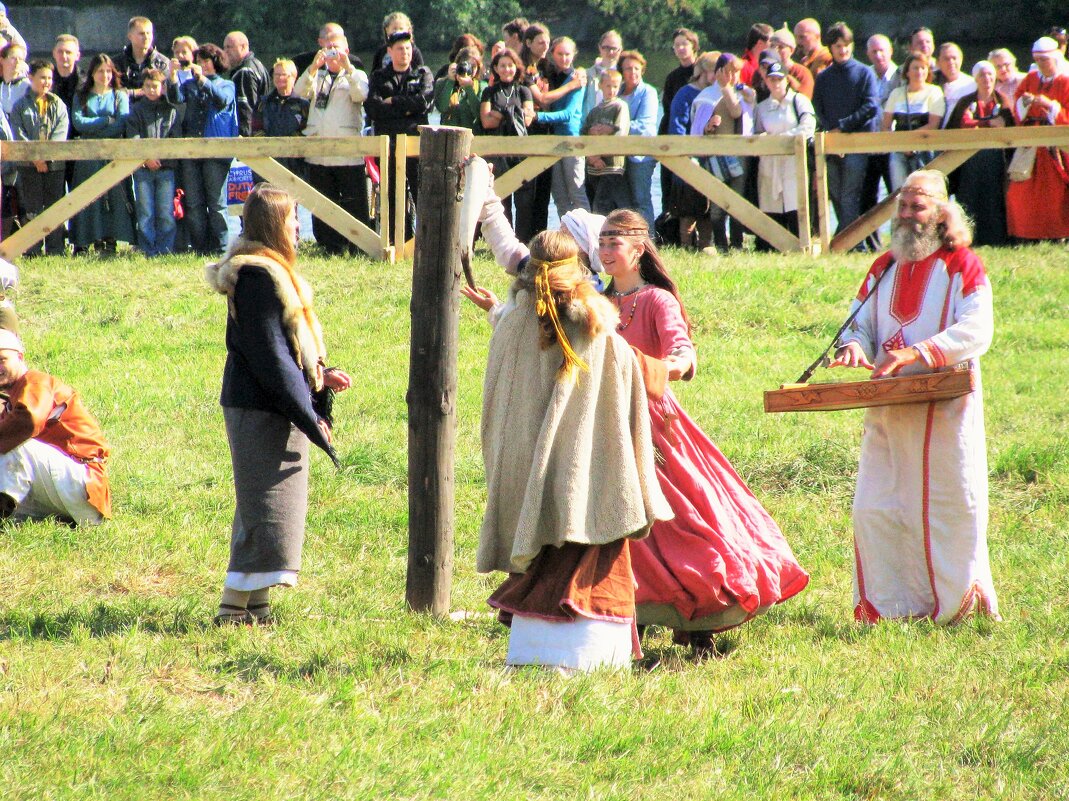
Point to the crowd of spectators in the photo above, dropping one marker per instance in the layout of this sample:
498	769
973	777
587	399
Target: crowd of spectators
785	82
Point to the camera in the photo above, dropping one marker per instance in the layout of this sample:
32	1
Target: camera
739	87
465	69
331	52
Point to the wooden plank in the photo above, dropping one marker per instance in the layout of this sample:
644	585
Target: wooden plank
820	176
432	371
320	205
385	199
733	203
67	206
868	222
801	177
400	165
241	148
524	172
656	146
942	140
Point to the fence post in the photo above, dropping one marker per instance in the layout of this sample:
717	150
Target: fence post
801	146
820	175
385	200
432	372
400	205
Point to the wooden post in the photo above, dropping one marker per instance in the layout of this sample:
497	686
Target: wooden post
432	371
820	175
802	178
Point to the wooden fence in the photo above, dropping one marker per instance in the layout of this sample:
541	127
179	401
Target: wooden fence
539	153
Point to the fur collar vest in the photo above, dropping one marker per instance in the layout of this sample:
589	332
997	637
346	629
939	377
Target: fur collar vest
298	318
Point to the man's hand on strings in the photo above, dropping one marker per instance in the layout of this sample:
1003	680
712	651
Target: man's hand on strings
850	355
895	361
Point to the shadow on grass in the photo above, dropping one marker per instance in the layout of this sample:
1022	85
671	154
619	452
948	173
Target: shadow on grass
252	666
101	620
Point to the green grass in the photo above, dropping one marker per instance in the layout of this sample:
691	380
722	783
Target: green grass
112	685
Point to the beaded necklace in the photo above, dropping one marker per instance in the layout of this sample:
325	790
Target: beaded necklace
634	304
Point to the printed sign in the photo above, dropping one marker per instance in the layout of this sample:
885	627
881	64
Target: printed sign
238	184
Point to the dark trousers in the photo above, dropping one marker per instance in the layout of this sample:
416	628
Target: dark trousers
204	181
346	186
877	170
38	191
532	206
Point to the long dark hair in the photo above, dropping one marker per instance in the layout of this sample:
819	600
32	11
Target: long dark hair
529	35
651	267
97	61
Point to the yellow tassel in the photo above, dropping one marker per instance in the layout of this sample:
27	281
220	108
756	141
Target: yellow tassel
546	306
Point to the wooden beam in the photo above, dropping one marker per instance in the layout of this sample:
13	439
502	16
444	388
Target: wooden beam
872	219
400	165
734	204
241	148
385	200
320	205
942	140
67	206
524	172
801	177
432	371
820	177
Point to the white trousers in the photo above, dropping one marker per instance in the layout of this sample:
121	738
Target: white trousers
44	481
582	644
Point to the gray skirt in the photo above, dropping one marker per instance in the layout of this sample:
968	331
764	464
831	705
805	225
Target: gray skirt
270	459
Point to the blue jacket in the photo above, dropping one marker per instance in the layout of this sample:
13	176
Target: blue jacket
642	103
211	107
846	97
565	116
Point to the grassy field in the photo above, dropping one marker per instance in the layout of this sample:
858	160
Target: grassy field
113	685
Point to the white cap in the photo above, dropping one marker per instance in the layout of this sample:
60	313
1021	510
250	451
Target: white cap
1044	44
9	275
584	228
10	341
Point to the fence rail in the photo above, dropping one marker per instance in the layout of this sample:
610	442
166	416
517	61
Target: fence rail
539	153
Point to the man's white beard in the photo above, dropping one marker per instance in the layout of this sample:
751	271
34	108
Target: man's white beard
914	241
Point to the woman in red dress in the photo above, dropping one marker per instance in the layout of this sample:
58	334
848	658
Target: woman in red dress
722	560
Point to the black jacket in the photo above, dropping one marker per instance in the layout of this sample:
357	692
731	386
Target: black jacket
251	82
155	120
132	73
413	95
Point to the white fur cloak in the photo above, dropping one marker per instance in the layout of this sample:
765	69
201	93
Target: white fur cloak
565	461
298	318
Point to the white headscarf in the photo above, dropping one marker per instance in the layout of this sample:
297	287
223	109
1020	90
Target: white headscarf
585	227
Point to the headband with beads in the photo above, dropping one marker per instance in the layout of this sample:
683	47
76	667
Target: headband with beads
624	232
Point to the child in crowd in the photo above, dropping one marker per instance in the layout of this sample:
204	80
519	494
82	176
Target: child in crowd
40	116
154	117
606	185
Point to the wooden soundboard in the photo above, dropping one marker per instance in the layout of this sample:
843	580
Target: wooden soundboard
873	392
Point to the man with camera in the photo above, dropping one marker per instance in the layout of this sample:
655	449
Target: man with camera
398	102
336	91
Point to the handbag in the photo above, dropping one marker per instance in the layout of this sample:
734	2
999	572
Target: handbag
1022	164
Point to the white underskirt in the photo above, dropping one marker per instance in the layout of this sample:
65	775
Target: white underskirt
247	582
582	644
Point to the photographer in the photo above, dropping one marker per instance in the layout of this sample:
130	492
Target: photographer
457	95
336	91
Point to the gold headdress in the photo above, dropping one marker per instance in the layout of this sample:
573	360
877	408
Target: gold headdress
546	306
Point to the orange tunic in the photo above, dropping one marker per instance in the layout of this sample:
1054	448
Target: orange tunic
41	407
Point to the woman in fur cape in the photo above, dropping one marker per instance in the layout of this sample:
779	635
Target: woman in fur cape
275	399
565	491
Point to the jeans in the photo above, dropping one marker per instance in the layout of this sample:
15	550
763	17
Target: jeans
846	176
612	193
154	200
902	164
205	184
640	178
568	193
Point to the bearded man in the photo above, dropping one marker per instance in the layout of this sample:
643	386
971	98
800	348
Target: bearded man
921	505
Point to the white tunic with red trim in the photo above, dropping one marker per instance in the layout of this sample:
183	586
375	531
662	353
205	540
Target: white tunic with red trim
921	508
